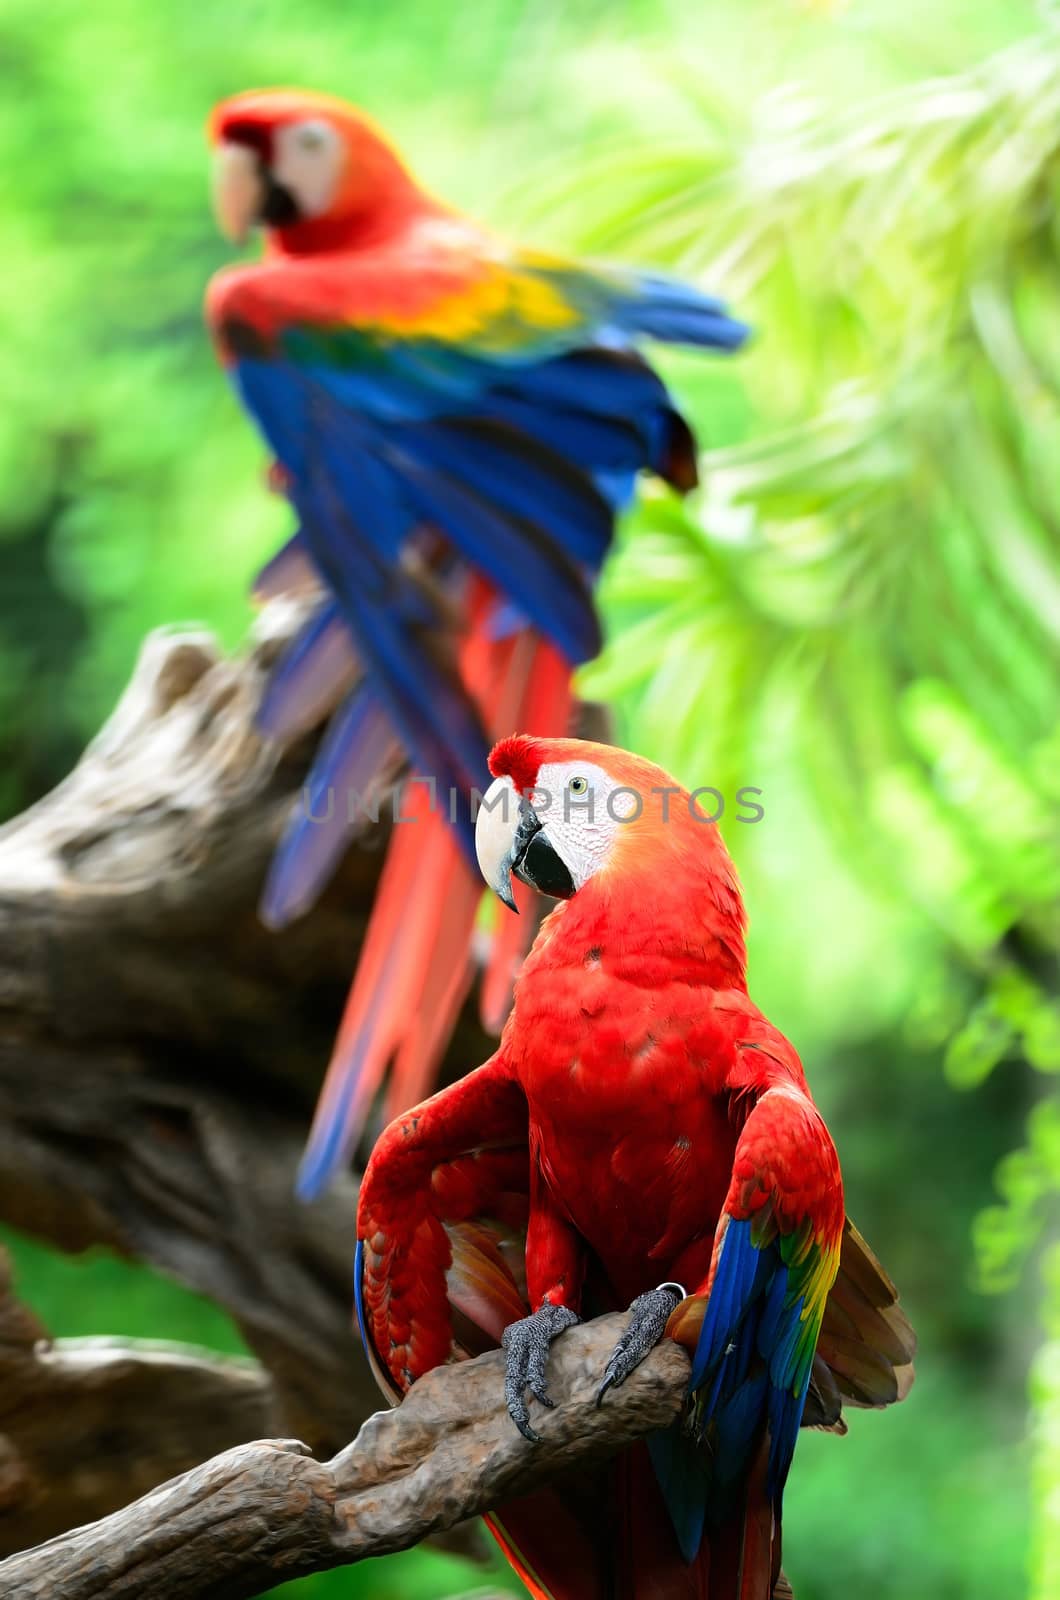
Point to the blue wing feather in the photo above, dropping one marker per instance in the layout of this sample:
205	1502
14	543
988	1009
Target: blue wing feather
519	446
666	309
354	517
553	592
358	1292
748	1367
737	1275
391	621
519	475
358	743
596	444
683	1474
601	380
308	676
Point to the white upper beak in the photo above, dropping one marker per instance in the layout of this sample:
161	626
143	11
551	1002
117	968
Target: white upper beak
495	830
238	190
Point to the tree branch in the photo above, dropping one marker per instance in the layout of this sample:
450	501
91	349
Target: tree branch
87	1424
265	1513
160	1050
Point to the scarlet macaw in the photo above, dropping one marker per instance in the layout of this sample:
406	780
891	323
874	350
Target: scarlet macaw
456	423
640	1121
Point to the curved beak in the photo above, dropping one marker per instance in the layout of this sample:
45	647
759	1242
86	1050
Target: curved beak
239	190
510	841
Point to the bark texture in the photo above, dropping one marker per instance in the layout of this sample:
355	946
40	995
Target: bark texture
160	1055
160	1050
88	1424
267	1512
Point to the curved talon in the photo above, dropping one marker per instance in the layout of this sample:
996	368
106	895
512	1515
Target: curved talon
648	1316
526	1345
610	1379
521	1417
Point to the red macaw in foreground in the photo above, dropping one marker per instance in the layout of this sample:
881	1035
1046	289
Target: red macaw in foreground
456	424
643	1136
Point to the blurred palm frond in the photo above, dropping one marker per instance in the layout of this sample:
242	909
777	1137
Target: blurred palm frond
875	588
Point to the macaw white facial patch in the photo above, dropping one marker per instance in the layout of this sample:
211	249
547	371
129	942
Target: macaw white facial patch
582	810
308	162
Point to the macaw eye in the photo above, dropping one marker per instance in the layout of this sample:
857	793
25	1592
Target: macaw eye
311	136
578	786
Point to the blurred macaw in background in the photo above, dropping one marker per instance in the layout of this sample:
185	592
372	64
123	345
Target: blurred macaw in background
456	424
640	1120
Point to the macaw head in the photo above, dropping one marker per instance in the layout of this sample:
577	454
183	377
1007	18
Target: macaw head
312	170
564	814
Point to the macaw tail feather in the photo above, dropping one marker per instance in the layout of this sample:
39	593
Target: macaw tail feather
743	1562
557	1553
357	753
416	962
380	1003
605	1536
866	1342
535	695
441	957
316	670
608	1537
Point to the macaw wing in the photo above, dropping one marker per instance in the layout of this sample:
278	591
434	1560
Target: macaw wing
494	388
358	531
441	1228
439	1275
493	400
754	1332
866	1344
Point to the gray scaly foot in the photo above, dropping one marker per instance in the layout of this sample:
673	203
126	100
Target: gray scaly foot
648	1316
525	1346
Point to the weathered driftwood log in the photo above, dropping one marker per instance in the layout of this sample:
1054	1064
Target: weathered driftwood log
160	1050
86	1425
266	1512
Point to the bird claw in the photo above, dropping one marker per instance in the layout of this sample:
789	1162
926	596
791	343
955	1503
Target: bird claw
648	1316
526	1345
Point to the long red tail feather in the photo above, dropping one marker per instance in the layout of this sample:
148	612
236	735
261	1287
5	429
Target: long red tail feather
416	961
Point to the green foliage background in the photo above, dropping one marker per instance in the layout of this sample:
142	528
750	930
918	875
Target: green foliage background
858	615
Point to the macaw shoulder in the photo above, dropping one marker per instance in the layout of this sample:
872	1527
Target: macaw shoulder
786	1156
441	280
257	302
356	291
729	1025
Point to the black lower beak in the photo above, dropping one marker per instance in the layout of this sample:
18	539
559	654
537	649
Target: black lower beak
279	209
534	860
